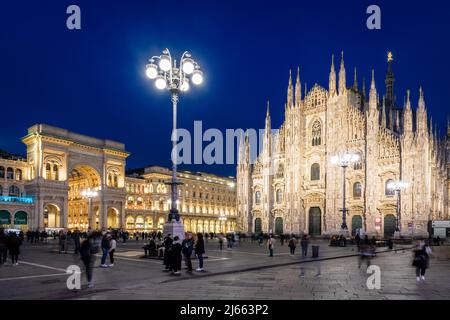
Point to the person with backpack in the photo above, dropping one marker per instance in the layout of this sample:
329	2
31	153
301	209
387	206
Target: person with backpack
105	249
421	261
292	245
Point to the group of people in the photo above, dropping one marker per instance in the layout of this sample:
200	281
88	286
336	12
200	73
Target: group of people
175	250
9	243
304	243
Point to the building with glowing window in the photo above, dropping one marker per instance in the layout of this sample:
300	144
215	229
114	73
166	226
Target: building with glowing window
48	188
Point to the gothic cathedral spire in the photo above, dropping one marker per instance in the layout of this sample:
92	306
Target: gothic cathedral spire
298	89
355	81
332	81
290	92
407	116
342	80
373	94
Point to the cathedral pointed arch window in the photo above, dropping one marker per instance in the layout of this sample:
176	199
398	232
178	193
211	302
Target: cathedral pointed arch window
358	164
357	190
279	196
387	190
316	133
315	172
258	197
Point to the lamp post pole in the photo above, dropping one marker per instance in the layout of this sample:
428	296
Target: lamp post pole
344	160
167	75
344	217
398	210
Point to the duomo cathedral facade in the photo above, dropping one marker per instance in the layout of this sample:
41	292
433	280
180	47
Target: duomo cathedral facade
293	186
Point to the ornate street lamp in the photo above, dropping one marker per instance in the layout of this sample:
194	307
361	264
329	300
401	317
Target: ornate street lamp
176	79
344	160
397	186
90	194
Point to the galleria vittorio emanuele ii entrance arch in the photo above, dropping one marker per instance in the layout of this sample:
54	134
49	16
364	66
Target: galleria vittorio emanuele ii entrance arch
63	165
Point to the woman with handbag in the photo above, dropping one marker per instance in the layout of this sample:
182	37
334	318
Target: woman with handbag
421	261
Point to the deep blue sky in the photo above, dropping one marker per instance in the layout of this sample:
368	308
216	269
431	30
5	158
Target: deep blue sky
92	81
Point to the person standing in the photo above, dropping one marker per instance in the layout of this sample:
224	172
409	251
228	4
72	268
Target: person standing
167	248
220	242
112	249
270	245
3	246
14	244
304	244
175	256
292	245
421	261
105	249
200	251
62	241
357	239
188	247
282	239
76	239
88	249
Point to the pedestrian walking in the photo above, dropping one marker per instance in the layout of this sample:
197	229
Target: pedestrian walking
112	249
317	265
421	260
282	239
105	249
366	252
167	248
14	244
62	241
270	245
292	245
3	246
221	242
357	239
200	251
175	255
76	239
304	244
188	248
88	250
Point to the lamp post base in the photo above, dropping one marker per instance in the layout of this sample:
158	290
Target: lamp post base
175	228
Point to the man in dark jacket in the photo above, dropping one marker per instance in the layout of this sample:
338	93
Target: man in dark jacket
76	239
175	255
200	251
3	246
188	247
105	249
167	250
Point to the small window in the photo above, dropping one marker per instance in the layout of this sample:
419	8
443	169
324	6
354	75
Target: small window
14	191
2	172
357	190
257	197
316	133
388	191
10	174
279	196
315	172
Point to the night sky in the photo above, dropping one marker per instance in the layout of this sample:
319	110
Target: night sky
92	81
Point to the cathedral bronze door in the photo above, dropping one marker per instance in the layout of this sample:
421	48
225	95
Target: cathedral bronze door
356	224
279	226
389	225
315	222
258	226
